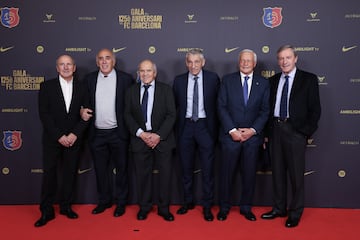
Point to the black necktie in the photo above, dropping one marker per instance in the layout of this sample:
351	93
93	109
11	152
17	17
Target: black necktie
195	110
245	89
283	101
144	102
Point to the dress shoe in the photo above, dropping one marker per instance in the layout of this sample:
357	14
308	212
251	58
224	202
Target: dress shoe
101	208
44	219
119	211
142	215
291	222
222	215
248	215
208	216
273	214
69	213
184	208
167	216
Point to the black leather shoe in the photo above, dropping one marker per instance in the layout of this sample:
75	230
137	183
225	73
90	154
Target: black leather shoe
184	208
222	215
167	216
248	215
273	214
291	222
119	211
44	219
101	208
142	215
69	213
208	216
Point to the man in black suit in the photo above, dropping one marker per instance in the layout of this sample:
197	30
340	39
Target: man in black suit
243	105
108	136
295	112
60	100
150	116
197	128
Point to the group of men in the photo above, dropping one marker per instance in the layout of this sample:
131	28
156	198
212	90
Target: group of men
149	119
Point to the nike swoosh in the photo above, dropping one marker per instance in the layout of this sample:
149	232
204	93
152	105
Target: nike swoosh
229	50
6	49
308	173
270	172
346	49
116	50
83	171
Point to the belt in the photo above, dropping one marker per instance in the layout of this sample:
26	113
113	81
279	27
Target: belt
191	120
281	120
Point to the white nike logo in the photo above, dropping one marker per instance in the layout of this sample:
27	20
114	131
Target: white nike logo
83	171
116	50
229	50
270	172
346	49
2	49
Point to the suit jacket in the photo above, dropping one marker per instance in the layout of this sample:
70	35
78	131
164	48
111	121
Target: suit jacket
123	81
55	120
211	84
162	118
304	102
234	114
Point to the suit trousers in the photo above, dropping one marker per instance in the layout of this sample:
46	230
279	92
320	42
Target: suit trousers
196	136
110	150
287	150
145	161
245	154
63	161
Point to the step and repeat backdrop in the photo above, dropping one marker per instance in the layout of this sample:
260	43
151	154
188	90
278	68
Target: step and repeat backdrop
326	36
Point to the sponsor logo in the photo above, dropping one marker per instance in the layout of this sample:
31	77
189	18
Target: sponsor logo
12	140
116	50
342	173
82	171
9	17
190	19
272	17
270	173
322	80
229	50
2	49
308	173
313	17
49	18
346	49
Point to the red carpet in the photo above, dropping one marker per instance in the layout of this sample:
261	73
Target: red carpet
17	222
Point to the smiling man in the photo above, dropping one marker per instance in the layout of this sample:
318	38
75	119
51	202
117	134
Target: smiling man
108	136
295	112
150	116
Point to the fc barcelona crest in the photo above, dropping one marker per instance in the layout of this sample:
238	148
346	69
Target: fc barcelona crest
10	17
12	140
272	17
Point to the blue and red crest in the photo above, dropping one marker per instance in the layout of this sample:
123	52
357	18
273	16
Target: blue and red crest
10	17
12	140
272	17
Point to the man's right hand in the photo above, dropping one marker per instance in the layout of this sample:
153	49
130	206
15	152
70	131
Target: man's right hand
86	113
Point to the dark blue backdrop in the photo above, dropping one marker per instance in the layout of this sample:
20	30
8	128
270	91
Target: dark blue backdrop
326	34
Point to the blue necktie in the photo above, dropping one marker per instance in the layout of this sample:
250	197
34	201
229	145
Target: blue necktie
144	102
283	101
195	110
245	89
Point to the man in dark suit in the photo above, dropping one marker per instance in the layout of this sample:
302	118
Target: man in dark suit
243	106
295	112
150	116
108	135
197	128
60	100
